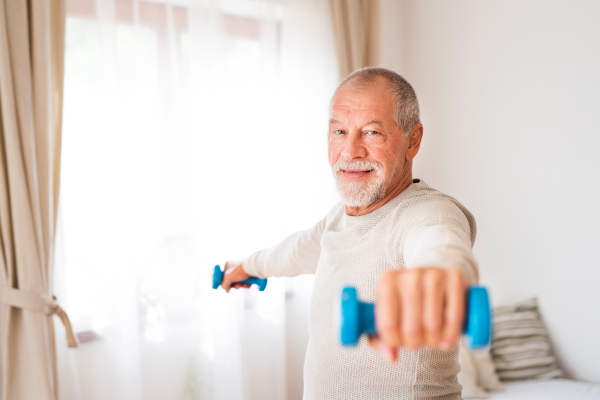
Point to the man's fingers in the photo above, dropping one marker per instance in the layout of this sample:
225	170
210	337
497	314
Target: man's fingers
238	285
411	295
433	305
454	313
387	312
231	275
234	275
226	283
373	342
419	307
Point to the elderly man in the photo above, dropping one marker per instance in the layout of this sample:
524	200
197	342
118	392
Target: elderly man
400	242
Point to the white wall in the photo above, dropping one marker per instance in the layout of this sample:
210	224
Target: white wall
510	99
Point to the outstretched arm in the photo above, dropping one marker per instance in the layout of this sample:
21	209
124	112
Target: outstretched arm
297	254
424	304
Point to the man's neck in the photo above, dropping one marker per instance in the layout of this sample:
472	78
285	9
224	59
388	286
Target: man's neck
394	191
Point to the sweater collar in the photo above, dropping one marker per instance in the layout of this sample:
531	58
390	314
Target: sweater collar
416	184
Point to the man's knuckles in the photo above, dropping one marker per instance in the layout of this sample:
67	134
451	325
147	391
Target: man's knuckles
433	279
455	276
388	278
411	276
420	293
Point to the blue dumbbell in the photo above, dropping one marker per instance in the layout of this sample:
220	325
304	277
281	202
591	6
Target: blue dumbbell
358	318
218	278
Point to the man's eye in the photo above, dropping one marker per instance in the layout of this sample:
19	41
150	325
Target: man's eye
373	133
339	132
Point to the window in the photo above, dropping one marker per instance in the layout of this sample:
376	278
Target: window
192	134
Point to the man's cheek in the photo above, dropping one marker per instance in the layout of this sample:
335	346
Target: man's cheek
333	156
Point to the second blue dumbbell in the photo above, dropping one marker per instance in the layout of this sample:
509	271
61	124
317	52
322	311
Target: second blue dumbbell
218	278
357	318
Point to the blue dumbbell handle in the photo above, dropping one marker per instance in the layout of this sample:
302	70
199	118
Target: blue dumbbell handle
218	278
367	318
253	281
358	318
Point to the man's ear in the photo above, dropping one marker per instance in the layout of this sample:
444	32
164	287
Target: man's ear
414	141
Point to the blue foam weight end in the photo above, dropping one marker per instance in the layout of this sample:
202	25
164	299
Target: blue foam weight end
478	324
218	278
349	323
357	318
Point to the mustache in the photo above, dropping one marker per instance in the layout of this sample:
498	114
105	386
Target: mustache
357	165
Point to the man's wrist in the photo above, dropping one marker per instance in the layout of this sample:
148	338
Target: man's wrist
249	266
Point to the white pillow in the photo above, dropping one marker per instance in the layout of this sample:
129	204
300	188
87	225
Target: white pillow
486	370
468	376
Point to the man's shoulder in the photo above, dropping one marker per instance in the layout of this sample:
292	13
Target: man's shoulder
422	204
420	194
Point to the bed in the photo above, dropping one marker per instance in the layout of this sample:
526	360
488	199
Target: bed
555	389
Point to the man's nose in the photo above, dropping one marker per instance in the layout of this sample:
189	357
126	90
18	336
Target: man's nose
354	147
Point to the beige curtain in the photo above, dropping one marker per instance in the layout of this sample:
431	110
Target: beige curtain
31	84
356	36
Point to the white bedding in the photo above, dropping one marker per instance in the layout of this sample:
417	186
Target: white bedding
555	389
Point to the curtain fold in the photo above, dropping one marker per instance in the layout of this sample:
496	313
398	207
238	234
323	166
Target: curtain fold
355	34
31	79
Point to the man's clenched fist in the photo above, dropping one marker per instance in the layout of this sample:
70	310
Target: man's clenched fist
234	273
416	307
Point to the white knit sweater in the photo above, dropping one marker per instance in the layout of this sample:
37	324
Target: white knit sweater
420	227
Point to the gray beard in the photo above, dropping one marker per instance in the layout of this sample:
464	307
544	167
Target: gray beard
360	194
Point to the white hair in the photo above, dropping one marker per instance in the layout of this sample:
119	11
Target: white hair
406	105
359	193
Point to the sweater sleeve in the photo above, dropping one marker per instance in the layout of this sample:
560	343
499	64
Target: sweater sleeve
298	254
440	237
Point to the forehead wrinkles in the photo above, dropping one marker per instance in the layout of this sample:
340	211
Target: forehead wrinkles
354	110
362	102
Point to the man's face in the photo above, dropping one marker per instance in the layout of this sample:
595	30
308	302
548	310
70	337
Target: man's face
367	151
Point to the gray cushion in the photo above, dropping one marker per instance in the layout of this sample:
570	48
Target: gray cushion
520	346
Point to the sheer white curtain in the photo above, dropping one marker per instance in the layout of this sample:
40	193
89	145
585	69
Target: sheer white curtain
194	132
